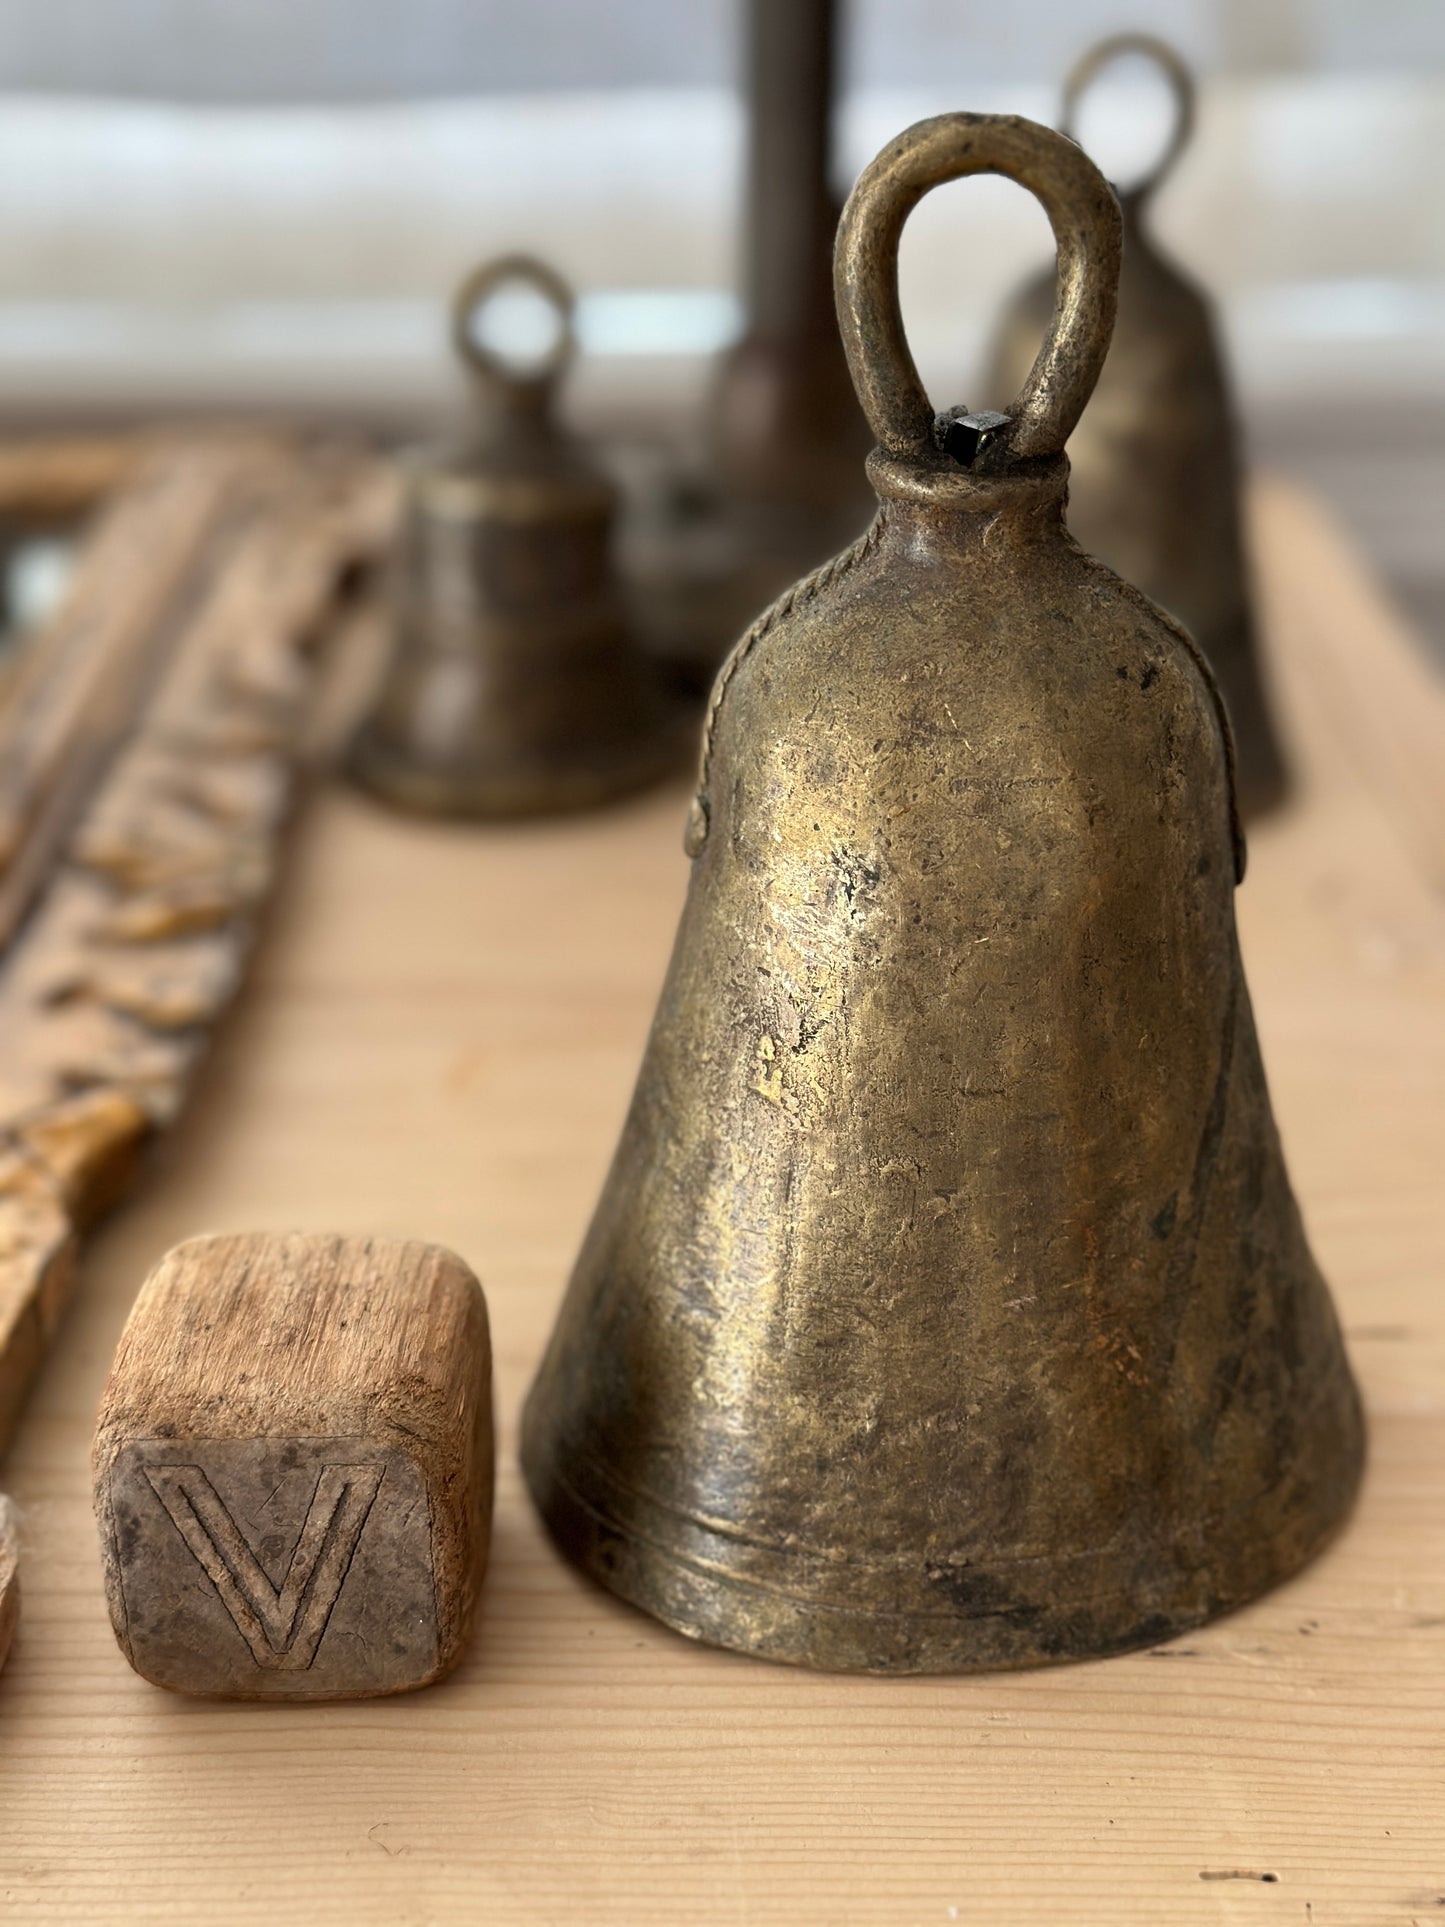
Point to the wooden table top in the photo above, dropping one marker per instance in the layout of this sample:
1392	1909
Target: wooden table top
439	1040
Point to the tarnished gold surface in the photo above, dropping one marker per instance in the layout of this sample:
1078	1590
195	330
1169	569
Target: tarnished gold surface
1155	488
947	1306
514	686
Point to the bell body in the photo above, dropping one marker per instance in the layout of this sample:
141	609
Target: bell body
947	1306
1155	490
513	686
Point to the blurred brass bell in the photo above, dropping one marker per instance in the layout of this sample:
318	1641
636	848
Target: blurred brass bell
1155	489
513	686
947	1306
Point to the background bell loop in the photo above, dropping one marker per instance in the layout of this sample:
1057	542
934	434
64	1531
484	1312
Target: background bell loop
1176	72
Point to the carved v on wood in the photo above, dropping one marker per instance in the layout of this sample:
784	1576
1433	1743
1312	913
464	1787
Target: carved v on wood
282	1624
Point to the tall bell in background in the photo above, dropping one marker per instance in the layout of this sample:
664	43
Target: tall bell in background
781	482
947	1306
514	686
1155	489
788	440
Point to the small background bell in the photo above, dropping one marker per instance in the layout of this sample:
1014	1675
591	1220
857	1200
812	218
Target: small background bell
514	686
1155	484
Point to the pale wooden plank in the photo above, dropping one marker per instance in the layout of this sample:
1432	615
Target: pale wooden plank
440	1041
1350	650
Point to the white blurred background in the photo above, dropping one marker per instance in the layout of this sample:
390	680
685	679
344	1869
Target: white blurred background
261	204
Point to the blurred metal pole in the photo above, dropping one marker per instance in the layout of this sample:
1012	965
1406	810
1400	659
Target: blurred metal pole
788	431
786	438
792	211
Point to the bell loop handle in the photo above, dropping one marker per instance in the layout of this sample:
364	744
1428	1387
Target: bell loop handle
529	384
1121	46
1085	219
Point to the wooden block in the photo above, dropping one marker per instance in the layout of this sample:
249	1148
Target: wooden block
9	1582
293	1467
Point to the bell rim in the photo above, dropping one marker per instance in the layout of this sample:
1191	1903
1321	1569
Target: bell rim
538	785
828	1637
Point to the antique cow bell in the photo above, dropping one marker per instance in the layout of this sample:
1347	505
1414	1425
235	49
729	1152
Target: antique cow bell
947	1306
1155	488
514	686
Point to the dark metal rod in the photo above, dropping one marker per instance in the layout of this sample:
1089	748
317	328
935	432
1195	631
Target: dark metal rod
792	212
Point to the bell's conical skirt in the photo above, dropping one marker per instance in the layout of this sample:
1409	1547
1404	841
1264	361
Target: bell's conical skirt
947	1306
1155	484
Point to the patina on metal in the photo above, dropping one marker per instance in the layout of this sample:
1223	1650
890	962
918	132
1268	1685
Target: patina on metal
781	483
514	685
1155	490
947	1306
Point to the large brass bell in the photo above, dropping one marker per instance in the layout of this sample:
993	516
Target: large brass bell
1155	489
514	686
946	1306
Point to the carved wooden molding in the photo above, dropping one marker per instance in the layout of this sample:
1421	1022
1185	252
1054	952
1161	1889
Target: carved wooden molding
9	1583
148	746
50	479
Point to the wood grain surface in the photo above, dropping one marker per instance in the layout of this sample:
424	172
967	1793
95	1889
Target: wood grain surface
440	1042
293	1466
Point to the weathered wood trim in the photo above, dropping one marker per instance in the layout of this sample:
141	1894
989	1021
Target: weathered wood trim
9	1577
145	827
